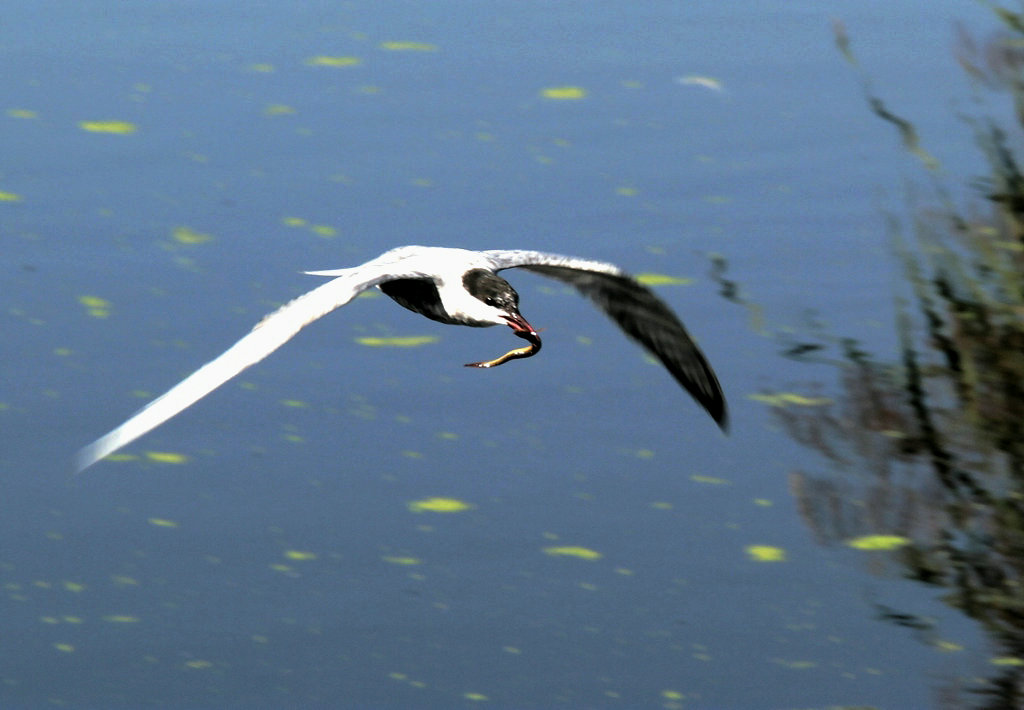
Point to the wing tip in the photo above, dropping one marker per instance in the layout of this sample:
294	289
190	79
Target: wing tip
86	457
721	415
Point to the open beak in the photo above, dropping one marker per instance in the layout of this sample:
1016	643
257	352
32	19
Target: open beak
523	329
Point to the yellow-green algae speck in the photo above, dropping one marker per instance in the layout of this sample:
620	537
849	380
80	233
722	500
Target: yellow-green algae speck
399	341
766	553
583	553
783	399
166	457
564	93
300	555
651	279
878	542
325	61
112	127
187	235
405	46
95	306
438	505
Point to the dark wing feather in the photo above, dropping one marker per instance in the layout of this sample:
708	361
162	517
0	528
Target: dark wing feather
645	318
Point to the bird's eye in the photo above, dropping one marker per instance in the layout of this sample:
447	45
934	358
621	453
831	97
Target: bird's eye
491	301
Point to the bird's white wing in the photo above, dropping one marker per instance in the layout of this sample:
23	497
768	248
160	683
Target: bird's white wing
272	332
637	311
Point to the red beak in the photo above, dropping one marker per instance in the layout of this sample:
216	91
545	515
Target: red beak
523	329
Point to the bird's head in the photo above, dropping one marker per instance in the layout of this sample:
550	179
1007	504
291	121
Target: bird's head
496	303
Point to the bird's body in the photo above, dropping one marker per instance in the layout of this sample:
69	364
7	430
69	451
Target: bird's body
452	286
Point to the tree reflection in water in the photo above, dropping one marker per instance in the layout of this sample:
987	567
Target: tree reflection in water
931	447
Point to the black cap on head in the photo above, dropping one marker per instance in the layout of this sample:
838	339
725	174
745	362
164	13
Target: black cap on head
491	289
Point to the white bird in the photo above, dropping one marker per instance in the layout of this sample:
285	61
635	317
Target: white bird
453	286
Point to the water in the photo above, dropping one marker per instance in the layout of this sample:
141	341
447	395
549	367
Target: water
276	562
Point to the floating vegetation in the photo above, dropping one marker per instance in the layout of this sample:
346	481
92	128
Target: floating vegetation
95	306
648	279
711	480
785	399
438	505
399	560
166	457
300	555
400	341
322	61
878	542
324	230
187	235
394	46
564	93
113	127
583	553
765	553
278	110
198	664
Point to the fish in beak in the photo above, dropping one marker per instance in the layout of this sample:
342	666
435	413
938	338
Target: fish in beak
524	330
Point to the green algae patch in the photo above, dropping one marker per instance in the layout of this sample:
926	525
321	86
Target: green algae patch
765	553
564	93
278	110
112	127
649	279
399	560
187	235
95	306
300	555
166	457
398	46
401	341
438	505
878	542
583	553
1011	661
324	61
785	399
710	480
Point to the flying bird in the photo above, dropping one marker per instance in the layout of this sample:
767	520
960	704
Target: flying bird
453	286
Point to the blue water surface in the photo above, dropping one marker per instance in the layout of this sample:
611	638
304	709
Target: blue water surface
264	548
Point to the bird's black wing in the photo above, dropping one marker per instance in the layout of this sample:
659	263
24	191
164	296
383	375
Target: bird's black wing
638	312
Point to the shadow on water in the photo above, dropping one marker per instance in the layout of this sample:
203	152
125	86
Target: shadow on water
926	453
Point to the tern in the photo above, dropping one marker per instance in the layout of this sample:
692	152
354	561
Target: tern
453	286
